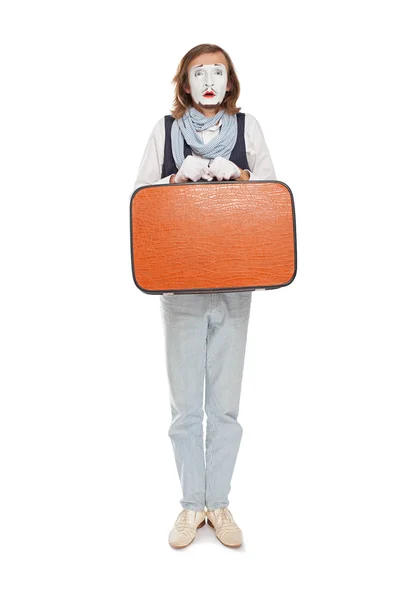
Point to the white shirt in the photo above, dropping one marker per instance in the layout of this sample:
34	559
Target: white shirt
257	153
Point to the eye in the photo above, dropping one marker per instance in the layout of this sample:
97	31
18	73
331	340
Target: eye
198	73
218	71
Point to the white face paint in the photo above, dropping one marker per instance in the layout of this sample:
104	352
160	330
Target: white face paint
208	78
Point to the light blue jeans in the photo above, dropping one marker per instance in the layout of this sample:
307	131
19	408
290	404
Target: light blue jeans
205	339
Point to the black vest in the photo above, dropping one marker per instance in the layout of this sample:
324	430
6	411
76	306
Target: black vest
238	154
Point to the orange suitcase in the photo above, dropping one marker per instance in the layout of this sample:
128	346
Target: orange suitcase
217	236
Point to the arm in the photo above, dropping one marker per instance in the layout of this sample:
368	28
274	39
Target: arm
258	157
152	160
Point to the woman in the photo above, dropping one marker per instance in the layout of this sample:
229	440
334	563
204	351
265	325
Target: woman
206	137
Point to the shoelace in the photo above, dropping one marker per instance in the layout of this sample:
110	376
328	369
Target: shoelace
183	521
225	520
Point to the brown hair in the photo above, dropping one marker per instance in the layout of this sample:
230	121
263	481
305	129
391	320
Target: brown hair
183	100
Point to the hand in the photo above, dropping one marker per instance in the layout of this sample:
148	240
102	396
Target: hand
222	168
193	168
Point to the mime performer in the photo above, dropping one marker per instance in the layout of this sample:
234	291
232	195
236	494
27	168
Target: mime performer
205	137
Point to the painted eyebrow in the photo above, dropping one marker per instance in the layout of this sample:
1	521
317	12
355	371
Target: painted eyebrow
214	65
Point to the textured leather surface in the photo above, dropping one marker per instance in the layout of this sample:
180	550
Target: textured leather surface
212	236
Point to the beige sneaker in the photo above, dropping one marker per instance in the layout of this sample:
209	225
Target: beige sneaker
225	527
185	528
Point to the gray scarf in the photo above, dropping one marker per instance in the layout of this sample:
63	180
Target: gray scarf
194	121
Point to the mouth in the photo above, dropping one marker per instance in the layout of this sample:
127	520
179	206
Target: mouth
209	94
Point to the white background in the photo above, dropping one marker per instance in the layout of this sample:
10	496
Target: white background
89	487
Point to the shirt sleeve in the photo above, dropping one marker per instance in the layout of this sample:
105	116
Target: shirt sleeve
258	156
153	158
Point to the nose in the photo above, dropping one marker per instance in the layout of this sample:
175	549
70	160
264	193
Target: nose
209	78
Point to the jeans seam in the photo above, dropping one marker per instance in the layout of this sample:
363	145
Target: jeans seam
210	416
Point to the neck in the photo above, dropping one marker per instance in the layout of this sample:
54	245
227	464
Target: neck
207	111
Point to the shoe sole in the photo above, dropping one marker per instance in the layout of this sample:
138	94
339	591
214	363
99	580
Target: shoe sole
186	545
219	539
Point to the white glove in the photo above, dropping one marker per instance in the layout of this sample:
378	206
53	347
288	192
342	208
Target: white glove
193	168
222	168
